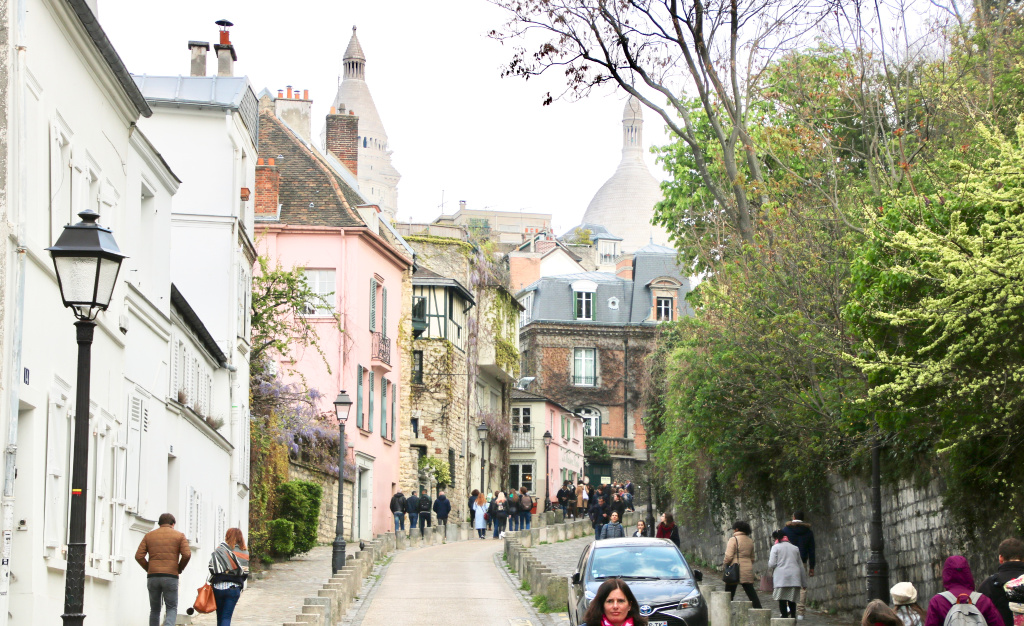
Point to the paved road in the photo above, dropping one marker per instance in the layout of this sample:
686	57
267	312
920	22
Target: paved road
456	583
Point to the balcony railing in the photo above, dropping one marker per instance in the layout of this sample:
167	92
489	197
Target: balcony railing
522	440
380	348
584	381
618	446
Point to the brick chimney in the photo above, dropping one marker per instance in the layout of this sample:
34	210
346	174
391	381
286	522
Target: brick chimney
343	139
198	50
624	268
296	111
268	187
226	56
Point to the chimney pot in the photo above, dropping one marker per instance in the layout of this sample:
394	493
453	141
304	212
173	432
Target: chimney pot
289	91
462	205
271	161
305	94
259	161
280	93
334	111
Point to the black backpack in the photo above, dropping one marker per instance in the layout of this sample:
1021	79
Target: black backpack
424	504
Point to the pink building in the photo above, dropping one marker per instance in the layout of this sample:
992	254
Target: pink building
542	471
310	215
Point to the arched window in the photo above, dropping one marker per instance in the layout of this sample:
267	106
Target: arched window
591	421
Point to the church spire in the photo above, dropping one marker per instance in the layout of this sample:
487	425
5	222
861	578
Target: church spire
633	126
354	60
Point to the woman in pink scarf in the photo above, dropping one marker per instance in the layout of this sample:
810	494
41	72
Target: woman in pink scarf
614	605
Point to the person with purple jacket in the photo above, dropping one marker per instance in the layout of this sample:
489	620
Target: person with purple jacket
958	580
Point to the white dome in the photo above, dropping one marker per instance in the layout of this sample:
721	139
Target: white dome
625	203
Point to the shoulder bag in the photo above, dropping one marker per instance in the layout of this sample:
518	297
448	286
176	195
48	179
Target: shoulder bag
731	576
205	602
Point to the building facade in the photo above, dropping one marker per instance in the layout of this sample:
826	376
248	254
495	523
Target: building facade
504	227
543	468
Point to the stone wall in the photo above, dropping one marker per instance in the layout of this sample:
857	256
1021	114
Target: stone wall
329	501
918	539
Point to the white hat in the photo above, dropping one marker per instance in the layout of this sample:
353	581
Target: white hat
903	593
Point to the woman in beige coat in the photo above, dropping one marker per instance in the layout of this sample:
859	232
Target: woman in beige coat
740	549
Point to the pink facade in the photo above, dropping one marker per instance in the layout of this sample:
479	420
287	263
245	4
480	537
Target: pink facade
363	275
541	470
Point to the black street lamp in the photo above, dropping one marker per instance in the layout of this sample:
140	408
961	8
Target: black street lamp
342	406
87	261
547	471
877	566
481	431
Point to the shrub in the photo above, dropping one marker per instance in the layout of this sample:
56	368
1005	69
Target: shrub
299	502
282	537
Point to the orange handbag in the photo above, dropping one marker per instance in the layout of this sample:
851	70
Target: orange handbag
205	602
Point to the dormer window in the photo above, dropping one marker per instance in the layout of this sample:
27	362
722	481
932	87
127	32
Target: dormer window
584	307
664	309
664	292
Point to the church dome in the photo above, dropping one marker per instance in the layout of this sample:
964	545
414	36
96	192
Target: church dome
625	203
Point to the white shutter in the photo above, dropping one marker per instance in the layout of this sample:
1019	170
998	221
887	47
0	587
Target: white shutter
199	517
173	393
133	443
56	473
191	526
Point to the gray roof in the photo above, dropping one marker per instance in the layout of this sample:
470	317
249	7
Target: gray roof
597	232
553	299
223	92
525	396
424	277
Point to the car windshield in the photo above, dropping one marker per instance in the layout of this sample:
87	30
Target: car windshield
638	562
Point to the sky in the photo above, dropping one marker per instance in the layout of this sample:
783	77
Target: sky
458	131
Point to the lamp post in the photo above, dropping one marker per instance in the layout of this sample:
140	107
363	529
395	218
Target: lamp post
877	566
342	405
87	261
481	430
547	470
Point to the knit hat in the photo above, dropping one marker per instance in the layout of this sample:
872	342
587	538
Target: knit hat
903	593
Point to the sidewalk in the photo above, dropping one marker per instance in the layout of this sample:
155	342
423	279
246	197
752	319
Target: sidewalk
277	598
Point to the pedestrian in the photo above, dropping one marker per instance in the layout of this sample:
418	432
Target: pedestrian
397	507
740	549
479	512
1011	565
563	498
598	515
904	600
472	501
878	614
617	504
168	554
229	567
500	515
412	507
613	529
641	529
513	510
614	605
801	536
525	509
582	498
667	529
442	507
425	508
958	583
630	488
572	506
788	576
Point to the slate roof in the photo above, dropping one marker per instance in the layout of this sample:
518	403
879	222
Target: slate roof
423	276
597	232
312	191
222	92
553	298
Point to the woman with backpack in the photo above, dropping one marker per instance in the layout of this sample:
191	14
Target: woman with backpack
972	607
500	514
513	510
229	567
613	529
525	509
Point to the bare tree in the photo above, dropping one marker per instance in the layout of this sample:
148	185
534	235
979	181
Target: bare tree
657	50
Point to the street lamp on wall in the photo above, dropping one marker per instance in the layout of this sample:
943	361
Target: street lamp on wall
547	471
342	406
87	261
481	431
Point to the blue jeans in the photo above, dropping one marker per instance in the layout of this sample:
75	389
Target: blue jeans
167	588
524	520
412	520
513	521
499	525
226	601
399	521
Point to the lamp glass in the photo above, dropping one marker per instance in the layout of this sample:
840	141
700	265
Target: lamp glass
547	437
342	406
481	430
77	278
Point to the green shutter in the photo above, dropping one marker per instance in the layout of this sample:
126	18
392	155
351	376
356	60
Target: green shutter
384	408
384	312
394	394
359	396
373	305
369	420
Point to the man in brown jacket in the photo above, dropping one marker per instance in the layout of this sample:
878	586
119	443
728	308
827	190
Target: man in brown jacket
164	546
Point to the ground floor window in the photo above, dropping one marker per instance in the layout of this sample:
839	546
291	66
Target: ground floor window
521	475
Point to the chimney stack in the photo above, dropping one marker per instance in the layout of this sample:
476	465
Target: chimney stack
296	112
343	138
462	205
226	56
268	187
198	50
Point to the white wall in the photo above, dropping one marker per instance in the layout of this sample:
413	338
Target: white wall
558	263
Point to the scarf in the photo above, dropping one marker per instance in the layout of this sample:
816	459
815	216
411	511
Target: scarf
605	622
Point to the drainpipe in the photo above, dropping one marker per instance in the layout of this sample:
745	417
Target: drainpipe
11	449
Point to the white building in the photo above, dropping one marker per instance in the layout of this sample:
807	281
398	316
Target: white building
378	178
74	108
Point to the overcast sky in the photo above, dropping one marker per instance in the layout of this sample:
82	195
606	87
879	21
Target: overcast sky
456	128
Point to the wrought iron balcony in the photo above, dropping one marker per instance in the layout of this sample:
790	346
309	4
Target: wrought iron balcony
380	348
522	440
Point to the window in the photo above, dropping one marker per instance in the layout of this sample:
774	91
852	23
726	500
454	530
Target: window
481	395
584	309
521	475
613	304
245	300
495	403
522	433
591	422
359	396
417	367
584	372
321	282
526	315
525	364
664	309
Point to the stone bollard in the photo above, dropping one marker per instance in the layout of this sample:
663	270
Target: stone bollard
738	612
719	610
759	617
537	580
560	534
783	621
451	533
535	536
558	590
544	535
325	606
466	531
559	516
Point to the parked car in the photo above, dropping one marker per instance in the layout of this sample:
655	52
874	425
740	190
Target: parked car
657	573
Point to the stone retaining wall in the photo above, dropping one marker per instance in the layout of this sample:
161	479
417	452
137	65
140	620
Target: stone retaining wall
329	501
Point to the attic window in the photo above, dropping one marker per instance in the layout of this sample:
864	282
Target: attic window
613	304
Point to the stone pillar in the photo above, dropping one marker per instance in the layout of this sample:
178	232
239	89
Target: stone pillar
719	609
759	617
738	612
783	621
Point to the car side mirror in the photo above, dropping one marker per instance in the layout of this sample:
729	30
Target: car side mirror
698	575
576	578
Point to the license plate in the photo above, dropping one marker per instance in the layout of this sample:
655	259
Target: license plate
657	623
